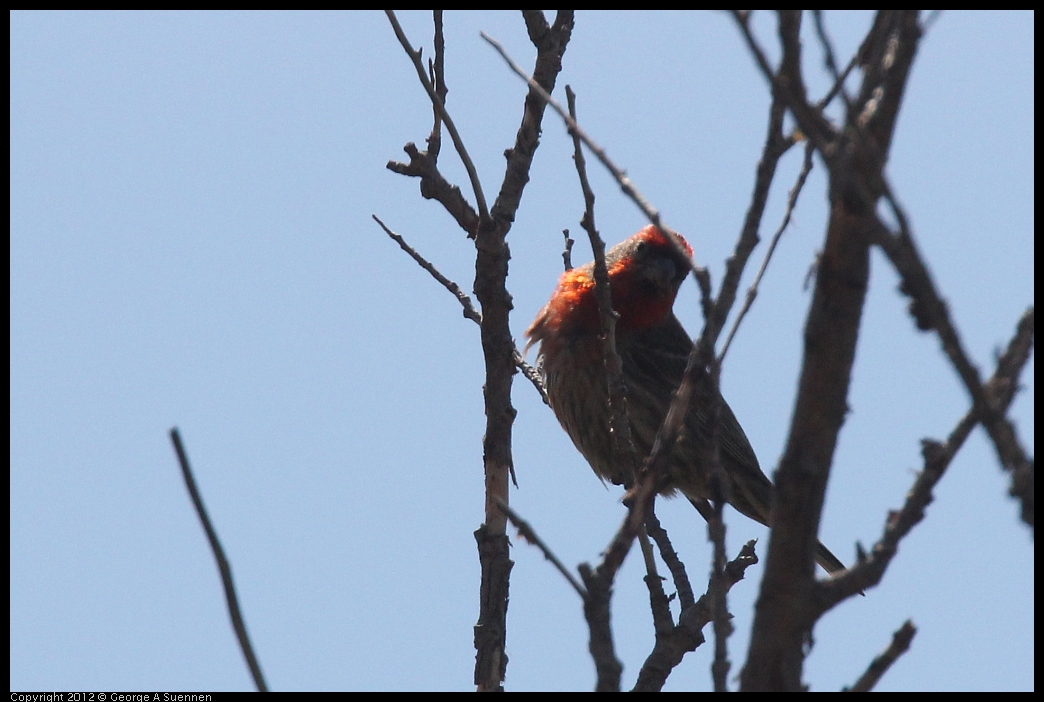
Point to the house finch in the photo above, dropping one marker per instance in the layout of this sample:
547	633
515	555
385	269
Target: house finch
645	272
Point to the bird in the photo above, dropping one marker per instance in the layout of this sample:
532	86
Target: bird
645	273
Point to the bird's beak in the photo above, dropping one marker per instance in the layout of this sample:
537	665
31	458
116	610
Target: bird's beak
664	273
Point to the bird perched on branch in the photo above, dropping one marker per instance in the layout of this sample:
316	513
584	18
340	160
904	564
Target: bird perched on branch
645	273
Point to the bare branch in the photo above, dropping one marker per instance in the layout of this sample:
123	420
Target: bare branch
499	352
596	613
720	485
937	458
688	634
717	592
491	629
887	58
223	565
436	101
828	48
550	42
434	186
854	162
533	375
930	20
526	531
659	603
469	310
670	558
437	76
931	312
879	666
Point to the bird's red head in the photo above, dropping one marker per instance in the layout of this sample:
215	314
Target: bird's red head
645	272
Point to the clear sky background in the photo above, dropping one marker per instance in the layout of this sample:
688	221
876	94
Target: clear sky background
191	245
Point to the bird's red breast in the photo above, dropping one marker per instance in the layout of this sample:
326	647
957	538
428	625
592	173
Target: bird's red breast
644	274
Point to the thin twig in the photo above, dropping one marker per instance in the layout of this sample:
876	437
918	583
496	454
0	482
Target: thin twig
534	377
647	554
831	64
839	86
567	252
526	531
469	309
828	48
624	454
752	292
436	101
776	145
223	566
879	666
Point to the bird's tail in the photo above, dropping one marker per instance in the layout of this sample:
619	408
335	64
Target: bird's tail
831	563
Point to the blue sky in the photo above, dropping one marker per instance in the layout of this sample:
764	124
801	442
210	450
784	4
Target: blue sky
191	245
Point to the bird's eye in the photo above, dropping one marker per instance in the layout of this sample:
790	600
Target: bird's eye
641	248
